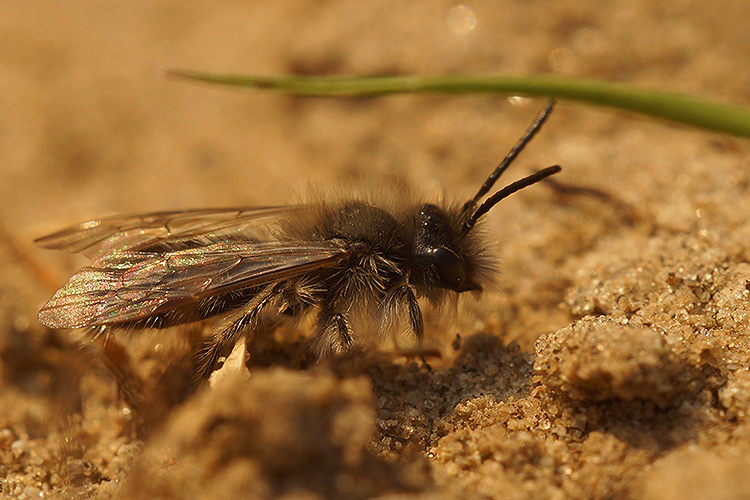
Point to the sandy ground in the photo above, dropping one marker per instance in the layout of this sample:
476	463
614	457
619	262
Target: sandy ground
611	361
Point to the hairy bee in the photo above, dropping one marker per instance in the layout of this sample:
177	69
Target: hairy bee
346	259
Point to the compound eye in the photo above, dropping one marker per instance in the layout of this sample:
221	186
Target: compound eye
451	268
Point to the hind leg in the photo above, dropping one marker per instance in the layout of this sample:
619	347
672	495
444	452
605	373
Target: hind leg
227	334
290	299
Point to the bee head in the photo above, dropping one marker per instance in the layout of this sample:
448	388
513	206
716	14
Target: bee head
439	253
444	250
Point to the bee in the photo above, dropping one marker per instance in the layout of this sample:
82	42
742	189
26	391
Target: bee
350	260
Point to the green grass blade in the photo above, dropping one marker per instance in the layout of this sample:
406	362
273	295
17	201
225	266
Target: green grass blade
675	107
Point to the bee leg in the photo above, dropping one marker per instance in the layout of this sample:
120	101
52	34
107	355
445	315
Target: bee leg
295	299
232	327
395	300
117	361
334	334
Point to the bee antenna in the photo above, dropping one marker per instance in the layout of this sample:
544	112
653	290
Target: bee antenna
525	138
507	191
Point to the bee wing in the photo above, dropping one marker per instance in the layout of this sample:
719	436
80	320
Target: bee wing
131	285
169	229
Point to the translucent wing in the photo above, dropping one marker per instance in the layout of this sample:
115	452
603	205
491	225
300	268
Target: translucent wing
128	286
171	230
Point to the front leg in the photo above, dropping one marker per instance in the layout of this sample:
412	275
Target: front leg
392	309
